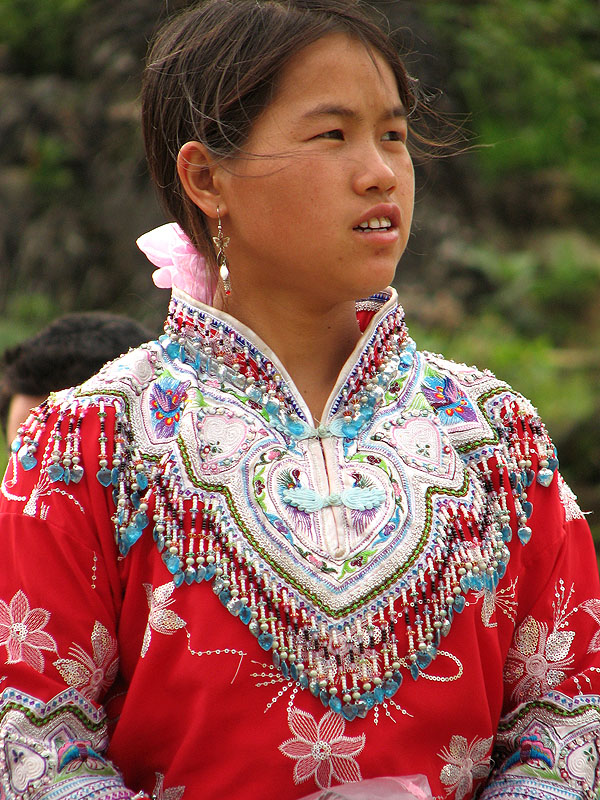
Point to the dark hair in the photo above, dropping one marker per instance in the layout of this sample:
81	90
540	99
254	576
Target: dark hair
65	353
214	68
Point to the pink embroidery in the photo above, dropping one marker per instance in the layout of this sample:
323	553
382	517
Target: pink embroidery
91	675
321	750
21	632
466	763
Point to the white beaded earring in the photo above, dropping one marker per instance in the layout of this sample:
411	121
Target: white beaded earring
221	243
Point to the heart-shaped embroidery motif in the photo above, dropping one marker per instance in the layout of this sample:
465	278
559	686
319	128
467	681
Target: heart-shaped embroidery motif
420	442
224	436
25	765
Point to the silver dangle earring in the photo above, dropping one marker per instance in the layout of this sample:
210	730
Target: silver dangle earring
221	243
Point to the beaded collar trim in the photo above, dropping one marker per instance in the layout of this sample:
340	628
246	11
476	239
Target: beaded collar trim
346	550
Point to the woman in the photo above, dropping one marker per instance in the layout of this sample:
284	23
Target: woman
339	560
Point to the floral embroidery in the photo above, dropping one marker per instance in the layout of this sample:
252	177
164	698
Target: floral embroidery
592	607
499	599
569	500
166	401
160	619
538	660
448	399
91	675
160	793
467	762
21	632
321	750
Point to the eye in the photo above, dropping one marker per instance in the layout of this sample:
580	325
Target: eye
394	136
336	133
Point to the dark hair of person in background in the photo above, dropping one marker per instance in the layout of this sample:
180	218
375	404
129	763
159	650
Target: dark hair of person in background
65	353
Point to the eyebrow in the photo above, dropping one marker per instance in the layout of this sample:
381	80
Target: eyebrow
328	110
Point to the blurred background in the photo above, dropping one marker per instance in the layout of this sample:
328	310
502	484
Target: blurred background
502	269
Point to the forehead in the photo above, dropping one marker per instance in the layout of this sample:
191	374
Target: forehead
336	68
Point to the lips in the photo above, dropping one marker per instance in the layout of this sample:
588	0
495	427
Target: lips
380	218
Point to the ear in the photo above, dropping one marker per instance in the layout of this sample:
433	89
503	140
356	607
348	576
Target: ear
198	174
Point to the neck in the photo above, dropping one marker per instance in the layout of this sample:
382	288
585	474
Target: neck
312	344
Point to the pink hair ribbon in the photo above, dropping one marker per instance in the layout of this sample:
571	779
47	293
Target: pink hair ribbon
179	264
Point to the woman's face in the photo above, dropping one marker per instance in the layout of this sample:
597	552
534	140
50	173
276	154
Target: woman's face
325	209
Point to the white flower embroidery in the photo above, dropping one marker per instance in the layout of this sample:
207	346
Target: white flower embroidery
172	793
466	762
160	619
537	660
592	607
21	632
321	750
500	599
569	500
91	674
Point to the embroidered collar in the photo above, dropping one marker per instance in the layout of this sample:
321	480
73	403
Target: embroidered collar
218	345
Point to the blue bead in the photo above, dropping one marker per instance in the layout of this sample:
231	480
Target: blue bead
324	697
142	481
132	534
178	578
303	681
315	689
104	477
285	669
114	476
335	704
369	699
246	614
361	709
544	476
553	464
28	460
135	500
349	712
378	694
527	508
76	473
390	687
190	575
524	534
225	596
293	672
501	569
55	472
459	603
529	477
506	533
140	520
210	572
265	640
398	677
423	660
276	658
172	562
123	547
414	671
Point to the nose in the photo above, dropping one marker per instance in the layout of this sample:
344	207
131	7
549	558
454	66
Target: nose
374	172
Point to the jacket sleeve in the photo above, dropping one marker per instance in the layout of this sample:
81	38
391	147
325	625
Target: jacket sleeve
548	740
59	606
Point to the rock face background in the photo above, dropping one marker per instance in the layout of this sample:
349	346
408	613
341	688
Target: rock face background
502	269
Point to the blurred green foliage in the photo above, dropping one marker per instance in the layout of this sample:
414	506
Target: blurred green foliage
38	33
529	73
